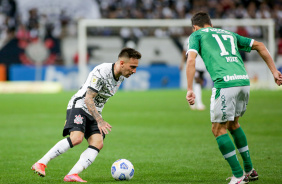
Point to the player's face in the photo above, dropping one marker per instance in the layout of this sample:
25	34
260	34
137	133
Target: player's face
129	67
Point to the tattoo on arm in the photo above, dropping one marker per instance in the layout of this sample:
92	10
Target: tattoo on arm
90	94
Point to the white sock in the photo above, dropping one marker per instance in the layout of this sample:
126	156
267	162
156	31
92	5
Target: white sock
198	93
85	160
61	147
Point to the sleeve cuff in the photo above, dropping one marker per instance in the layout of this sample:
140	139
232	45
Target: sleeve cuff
252	42
95	90
193	50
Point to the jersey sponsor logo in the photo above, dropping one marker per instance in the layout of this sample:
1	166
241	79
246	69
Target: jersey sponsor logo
235	77
231	59
78	119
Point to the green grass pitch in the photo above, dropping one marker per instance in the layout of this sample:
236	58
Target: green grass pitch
155	130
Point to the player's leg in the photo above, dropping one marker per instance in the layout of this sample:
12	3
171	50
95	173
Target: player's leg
76	131
61	147
88	156
242	146
222	112
238	133
240	141
227	148
95	141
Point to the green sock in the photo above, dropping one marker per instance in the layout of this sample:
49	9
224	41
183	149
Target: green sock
227	149
242	146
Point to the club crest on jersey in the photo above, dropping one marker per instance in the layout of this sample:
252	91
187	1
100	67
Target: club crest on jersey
78	119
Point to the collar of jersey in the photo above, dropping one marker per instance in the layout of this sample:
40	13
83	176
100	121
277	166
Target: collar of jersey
114	72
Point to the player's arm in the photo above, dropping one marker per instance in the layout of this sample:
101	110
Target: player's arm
190	73
102	125
263	52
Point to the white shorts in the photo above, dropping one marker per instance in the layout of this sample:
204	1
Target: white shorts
228	103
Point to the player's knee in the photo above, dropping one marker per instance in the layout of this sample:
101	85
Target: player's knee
96	140
100	145
233	126
218	129
215	132
76	141
76	137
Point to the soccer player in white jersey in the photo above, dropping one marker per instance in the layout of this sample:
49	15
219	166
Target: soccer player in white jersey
84	119
220	52
198	80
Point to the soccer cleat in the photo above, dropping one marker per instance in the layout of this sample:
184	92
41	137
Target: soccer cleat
241	180
73	178
252	175
39	169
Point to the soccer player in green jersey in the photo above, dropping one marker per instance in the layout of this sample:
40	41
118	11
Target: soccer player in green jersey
220	52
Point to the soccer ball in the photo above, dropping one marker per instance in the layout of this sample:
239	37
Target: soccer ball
122	169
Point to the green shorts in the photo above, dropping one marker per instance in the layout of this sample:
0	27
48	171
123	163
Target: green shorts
228	103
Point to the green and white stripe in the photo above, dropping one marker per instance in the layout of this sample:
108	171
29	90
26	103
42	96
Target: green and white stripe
244	149
230	154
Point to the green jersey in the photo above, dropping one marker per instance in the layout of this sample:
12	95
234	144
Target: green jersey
220	52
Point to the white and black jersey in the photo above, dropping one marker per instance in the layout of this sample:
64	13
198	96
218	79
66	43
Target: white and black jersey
101	80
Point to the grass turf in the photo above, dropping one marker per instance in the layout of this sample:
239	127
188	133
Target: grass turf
155	130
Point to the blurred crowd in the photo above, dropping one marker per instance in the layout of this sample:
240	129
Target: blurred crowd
10	17
184	9
53	24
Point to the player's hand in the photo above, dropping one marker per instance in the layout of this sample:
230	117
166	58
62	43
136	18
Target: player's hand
190	97
104	127
277	77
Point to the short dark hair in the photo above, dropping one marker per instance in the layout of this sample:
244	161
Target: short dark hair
129	53
201	19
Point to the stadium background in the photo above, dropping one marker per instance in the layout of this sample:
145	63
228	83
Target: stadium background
154	129
38	39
